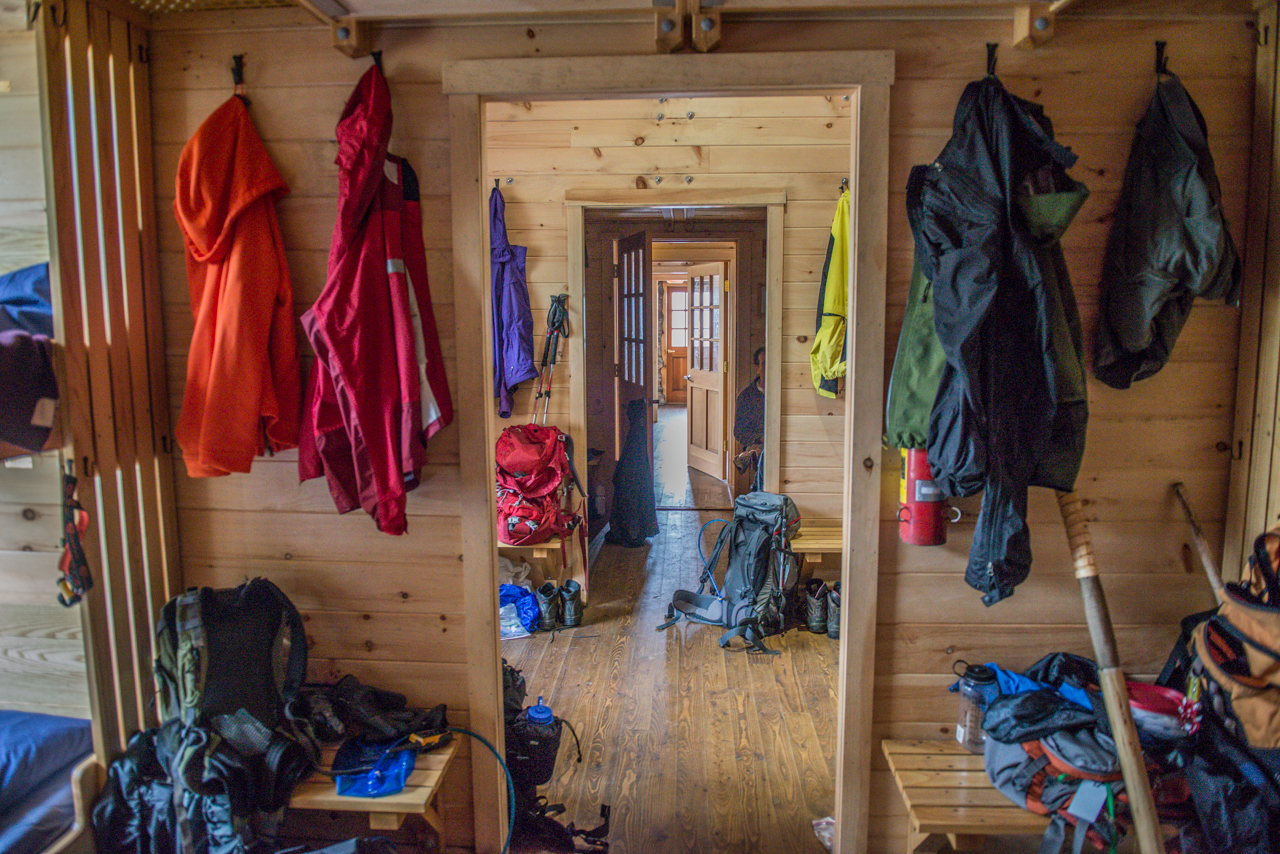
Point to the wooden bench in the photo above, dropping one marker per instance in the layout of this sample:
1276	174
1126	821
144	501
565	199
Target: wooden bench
812	543
949	798
417	798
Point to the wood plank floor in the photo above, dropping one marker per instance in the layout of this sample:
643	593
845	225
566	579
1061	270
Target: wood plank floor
697	749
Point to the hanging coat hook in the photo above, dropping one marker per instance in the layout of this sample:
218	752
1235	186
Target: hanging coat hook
377	59
495	183
991	58
844	184
1162	61
237	76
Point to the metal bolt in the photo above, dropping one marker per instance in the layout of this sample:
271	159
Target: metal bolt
657	179
707	25
510	180
662	100
1042	23
668	25
689	115
660	116
344	33
868	464
844	97
688	179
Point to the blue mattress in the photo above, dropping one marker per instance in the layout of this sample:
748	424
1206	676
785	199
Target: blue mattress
37	755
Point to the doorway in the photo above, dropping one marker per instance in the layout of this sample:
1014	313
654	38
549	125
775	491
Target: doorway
863	78
709	262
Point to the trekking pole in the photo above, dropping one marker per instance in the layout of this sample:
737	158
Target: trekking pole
542	369
1202	546
557	327
551	372
1114	692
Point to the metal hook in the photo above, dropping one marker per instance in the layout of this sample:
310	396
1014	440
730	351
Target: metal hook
377	59
1162	61
991	58
495	183
237	69
53	16
844	184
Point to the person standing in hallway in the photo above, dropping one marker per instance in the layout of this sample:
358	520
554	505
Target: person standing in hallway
748	422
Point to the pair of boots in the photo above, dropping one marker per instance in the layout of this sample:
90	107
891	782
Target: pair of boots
822	608
559	605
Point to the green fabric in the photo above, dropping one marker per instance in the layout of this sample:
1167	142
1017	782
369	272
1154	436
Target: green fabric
1048	216
827	356
917	369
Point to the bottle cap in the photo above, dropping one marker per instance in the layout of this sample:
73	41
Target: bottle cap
979	673
541	714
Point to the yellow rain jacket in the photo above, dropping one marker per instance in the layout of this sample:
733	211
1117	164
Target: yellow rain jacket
827	357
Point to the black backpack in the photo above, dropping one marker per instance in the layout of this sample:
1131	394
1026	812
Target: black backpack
227	663
761	572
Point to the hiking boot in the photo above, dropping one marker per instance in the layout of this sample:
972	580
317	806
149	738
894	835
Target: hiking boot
815	601
571	604
548	596
833	611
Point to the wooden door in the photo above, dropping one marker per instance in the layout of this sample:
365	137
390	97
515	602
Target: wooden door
676	335
707	368
633	344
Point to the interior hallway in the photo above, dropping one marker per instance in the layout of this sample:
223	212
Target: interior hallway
696	748
675	485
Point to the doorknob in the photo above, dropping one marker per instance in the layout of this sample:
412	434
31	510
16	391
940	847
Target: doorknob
687	378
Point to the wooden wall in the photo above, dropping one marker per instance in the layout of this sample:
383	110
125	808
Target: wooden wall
42	663
390	609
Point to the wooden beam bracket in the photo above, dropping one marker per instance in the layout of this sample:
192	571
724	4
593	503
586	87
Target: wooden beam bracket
1033	24
671	18
353	37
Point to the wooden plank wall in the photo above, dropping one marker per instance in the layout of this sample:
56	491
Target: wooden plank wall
799	143
390	610
42	664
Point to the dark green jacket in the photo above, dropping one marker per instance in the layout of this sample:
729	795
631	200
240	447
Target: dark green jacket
1169	243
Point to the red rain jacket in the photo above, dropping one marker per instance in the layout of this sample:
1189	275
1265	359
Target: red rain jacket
243	389
378	389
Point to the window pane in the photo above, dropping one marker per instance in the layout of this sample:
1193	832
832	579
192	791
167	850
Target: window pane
679	300
679	338
679	320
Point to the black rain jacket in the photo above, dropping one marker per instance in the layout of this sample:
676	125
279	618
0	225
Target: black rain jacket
1168	245
1011	407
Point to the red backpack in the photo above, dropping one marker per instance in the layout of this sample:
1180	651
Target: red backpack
534	477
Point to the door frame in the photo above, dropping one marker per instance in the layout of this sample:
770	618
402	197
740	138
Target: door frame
866	76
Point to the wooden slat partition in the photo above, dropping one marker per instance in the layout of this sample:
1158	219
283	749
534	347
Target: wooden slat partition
97	212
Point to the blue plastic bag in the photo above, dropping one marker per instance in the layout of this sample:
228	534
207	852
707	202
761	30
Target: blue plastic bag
526	604
369	770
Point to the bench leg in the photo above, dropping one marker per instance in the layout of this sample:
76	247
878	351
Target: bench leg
924	843
966	842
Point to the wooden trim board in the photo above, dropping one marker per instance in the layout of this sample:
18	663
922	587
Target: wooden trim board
668	75
868	75
675	197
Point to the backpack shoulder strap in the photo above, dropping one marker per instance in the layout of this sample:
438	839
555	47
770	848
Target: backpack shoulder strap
295	672
749	631
191	664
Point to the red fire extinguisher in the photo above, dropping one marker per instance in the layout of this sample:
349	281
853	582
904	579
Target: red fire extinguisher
922	512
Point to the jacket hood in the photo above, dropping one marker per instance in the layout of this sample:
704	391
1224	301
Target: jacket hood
363	133
1049	214
224	168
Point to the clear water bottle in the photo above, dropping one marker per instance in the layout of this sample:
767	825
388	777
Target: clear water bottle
977	685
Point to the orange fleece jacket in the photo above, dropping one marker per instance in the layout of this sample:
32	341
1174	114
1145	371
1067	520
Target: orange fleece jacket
243	393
